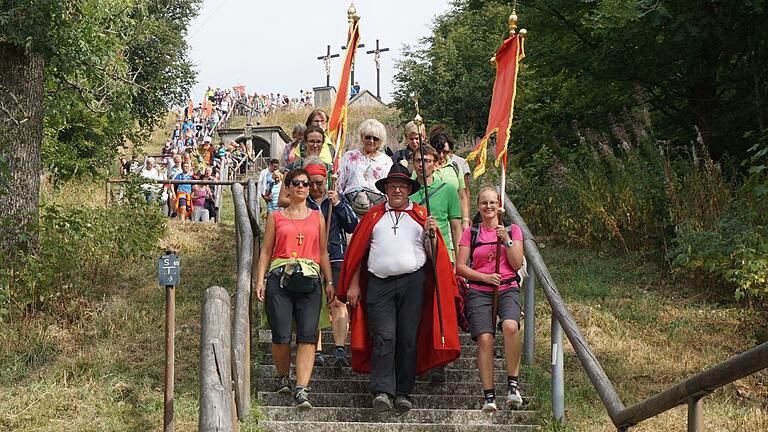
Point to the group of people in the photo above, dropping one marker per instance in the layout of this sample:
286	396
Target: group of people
394	283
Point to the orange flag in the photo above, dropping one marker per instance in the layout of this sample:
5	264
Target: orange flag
502	104
337	125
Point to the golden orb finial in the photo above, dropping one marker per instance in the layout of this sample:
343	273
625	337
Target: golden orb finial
523	32
352	13
418	120
513	20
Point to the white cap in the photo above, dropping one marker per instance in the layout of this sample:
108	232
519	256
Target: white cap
207	138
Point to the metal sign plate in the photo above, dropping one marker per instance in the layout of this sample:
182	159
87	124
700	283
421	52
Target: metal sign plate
169	269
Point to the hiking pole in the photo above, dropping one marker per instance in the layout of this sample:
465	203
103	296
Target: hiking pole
495	301
418	121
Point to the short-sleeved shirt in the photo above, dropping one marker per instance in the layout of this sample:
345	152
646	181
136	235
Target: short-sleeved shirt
444	205
450	174
183	187
484	255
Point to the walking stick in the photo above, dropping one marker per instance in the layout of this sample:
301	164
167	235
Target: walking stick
418	121
495	302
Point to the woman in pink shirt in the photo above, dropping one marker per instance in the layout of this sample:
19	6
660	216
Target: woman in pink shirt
295	243
480	241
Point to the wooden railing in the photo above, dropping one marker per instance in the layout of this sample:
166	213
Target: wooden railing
689	391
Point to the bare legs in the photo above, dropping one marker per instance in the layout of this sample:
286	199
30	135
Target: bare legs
512	349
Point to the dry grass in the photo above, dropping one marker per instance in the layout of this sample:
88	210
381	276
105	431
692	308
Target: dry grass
648	334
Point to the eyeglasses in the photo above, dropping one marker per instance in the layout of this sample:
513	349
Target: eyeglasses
372	138
302	183
400	186
488	203
317	143
319	121
317	183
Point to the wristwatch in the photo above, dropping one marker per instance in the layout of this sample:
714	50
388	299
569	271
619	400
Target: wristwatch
508	243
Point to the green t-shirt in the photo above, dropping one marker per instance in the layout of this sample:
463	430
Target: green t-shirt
451	175
444	205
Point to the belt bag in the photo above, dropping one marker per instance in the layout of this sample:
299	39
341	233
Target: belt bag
294	281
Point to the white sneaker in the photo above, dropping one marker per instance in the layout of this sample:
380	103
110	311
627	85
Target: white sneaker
490	407
514	399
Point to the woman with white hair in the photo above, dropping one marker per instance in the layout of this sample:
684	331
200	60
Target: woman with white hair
361	168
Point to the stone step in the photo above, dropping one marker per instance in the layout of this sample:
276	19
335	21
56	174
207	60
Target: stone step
363	400
361	386
300	426
461	363
265	347
467	376
363	415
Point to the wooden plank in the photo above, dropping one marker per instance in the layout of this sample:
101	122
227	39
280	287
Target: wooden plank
241	354
215	363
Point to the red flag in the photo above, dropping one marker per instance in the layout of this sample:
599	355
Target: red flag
502	103
337	125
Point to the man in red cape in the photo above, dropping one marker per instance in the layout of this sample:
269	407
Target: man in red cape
372	237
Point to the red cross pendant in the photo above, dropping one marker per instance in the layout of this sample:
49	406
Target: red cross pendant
299	238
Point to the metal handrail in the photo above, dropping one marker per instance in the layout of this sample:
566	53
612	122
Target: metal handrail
691	390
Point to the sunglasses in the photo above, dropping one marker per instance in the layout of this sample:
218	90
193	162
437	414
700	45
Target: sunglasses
371	138
303	183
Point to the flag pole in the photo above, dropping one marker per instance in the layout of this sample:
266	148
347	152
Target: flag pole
419	121
512	21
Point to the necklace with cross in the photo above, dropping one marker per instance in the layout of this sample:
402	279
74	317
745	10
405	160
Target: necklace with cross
395	220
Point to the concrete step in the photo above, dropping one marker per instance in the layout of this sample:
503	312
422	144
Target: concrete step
363	415
299	426
452	375
464	338
265	347
461	363
363	400
361	386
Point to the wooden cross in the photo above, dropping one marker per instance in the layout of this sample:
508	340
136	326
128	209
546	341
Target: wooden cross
491	256
299	238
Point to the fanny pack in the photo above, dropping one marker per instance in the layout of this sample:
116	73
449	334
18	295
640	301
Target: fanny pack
293	280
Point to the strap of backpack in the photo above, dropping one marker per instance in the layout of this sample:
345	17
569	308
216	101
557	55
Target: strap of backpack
432	193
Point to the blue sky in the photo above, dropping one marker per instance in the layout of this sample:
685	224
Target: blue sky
272	46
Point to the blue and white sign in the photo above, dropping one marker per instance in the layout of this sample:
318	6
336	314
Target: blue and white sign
169	269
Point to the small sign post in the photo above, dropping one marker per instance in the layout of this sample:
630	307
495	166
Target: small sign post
169	273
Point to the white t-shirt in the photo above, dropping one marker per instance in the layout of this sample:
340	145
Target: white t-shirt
462	163
395	252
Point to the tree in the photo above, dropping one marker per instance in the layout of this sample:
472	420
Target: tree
696	64
78	77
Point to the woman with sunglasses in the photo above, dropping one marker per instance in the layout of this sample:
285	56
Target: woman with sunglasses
361	168
292	265
476	261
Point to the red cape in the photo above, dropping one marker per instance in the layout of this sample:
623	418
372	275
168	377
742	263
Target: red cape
432	352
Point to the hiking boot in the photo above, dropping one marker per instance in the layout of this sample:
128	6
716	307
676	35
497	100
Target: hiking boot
284	386
382	403
319	359
403	404
340	357
301	398
514	399
437	375
489	407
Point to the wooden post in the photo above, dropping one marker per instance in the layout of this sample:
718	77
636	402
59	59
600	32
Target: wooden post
170	337
215	363
241	354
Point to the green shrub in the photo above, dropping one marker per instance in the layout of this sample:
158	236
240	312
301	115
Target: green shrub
80	250
734	250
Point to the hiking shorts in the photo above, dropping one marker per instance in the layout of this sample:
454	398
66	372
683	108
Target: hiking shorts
479	304
283	308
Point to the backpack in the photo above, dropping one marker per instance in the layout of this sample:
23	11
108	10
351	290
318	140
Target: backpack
522	272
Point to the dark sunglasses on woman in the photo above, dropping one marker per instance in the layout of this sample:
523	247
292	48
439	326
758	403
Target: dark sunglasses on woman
303	183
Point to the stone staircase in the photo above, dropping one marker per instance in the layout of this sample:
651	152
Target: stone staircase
341	400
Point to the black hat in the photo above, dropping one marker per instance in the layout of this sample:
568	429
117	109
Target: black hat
398	172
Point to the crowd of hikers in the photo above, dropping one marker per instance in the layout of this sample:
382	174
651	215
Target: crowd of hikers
353	248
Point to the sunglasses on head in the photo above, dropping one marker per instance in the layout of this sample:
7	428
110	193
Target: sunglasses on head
303	183
371	137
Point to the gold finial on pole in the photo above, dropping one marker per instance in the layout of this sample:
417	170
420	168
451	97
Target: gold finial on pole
417	120
352	13
513	20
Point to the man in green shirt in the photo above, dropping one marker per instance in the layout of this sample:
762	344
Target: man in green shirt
443	199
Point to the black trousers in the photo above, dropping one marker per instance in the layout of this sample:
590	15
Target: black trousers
394	313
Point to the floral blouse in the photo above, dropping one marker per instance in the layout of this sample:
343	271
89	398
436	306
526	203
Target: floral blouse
357	171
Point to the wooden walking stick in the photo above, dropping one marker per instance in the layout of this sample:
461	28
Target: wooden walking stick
418	121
